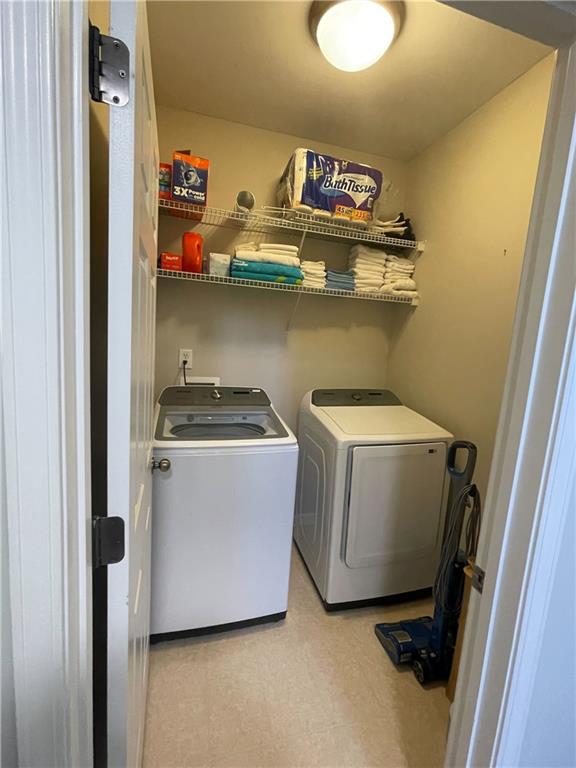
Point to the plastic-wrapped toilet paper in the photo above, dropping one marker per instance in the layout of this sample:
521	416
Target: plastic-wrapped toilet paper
325	183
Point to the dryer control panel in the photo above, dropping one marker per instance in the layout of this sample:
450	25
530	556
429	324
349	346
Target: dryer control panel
323	397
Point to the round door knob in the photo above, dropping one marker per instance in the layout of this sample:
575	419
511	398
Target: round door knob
216	395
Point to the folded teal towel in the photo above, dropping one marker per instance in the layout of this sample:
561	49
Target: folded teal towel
267	268
266	278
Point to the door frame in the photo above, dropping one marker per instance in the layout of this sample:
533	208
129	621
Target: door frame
44	380
44	91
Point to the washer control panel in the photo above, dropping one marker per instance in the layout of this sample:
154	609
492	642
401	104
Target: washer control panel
207	395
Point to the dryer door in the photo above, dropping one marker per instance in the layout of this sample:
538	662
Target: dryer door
395	509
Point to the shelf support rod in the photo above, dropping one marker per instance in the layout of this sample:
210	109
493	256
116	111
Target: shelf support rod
302	239
293	313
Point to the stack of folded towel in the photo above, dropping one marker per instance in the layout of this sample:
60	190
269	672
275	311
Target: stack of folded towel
398	277
367	265
269	262
314	274
340	281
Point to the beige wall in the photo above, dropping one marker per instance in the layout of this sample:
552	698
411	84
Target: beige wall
255	336
470	195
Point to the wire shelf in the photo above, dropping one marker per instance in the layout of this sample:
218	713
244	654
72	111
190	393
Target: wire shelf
242	283
278	219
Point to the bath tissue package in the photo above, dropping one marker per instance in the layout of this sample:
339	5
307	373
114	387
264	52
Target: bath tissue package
324	183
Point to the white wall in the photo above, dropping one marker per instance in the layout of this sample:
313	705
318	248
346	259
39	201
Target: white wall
469	195
241	334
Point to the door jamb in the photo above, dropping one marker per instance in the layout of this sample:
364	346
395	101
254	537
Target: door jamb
44	381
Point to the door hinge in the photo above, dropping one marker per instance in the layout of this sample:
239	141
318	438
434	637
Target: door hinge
478	575
108	68
107	541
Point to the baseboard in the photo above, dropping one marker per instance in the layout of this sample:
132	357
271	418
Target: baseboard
182	634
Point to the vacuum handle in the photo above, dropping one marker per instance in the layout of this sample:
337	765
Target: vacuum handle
468	470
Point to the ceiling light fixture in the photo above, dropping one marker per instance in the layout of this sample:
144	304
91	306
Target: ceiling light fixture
354	34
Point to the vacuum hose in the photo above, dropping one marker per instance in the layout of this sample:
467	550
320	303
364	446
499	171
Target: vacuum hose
466	497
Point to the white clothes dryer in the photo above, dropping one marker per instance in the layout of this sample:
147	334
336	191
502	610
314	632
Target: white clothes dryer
223	510
371	494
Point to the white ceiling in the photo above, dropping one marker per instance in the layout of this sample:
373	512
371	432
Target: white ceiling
256	63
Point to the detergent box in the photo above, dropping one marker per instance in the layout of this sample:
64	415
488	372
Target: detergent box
189	178
328	184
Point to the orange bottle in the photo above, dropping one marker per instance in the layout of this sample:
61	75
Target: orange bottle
192	252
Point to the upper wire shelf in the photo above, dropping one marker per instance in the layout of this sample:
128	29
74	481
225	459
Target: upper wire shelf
278	219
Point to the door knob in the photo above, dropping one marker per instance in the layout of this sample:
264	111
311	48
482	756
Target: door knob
163	465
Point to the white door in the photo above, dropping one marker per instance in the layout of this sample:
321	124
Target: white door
131	318
395	506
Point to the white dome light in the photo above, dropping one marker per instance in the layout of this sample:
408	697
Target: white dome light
354	34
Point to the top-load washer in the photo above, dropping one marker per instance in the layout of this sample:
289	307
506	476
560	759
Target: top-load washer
371	495
223	510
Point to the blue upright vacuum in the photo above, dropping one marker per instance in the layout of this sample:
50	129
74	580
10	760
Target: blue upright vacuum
428	642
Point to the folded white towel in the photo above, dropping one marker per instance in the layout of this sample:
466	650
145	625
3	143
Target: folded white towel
400	260
397	265
368	284
368	257
366	250
269	256
278	247
405	284
400	269
314	265
246	247
313	283
391	292
362	269
397	275
368	288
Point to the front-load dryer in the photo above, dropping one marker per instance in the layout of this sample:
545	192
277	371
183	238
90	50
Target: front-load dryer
223	510
370	497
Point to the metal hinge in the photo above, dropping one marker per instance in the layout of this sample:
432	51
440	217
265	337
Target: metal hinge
478	575
109	68
107	541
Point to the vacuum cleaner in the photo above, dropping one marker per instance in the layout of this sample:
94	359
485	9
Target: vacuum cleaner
428	643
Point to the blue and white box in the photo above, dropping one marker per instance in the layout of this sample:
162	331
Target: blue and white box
320	182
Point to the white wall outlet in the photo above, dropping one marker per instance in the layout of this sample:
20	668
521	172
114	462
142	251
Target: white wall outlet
185	354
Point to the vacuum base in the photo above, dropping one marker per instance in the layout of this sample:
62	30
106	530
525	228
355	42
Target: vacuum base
403	640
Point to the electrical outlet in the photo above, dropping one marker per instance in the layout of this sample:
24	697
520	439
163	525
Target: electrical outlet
185	354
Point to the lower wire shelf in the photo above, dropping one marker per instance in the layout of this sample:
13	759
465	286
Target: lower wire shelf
262	285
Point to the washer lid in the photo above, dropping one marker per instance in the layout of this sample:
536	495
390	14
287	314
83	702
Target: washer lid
391	424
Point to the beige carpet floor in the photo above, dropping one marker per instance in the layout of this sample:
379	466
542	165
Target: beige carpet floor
314	690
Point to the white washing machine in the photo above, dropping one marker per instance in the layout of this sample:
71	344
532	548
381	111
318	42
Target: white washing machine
223	510
371	495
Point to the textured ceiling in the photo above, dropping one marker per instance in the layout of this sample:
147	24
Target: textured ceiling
256	63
